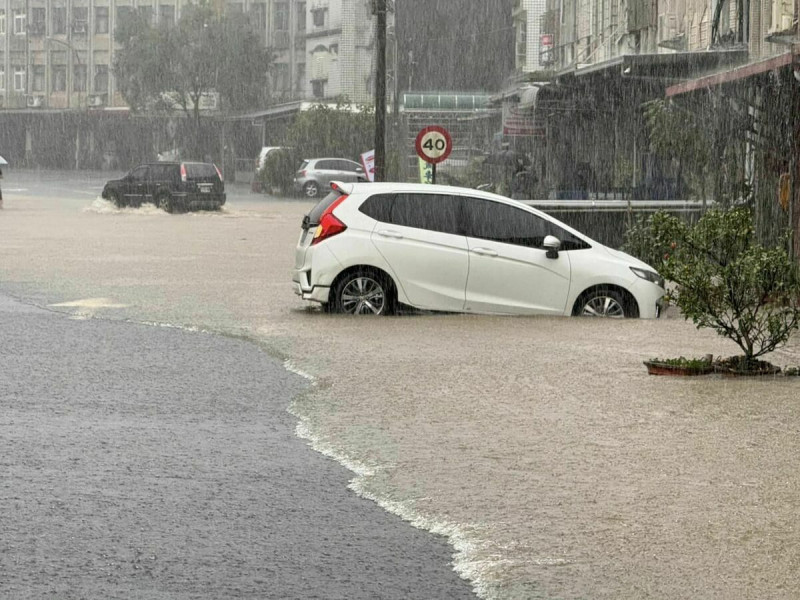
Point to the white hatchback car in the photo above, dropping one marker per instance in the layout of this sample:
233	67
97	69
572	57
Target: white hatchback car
365	248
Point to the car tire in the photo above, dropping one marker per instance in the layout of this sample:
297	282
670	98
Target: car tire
605	303
117	200
311	189
164	202
363	292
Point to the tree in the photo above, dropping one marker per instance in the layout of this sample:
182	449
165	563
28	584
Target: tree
333	131
168	67
676	135
724	279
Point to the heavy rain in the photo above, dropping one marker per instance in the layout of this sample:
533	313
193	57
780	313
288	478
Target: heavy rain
194	196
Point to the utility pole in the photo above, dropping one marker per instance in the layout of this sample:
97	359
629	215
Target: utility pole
379	9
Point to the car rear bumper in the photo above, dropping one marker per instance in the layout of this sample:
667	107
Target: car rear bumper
199	201
314	293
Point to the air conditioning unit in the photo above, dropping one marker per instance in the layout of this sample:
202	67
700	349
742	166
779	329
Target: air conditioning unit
35	101
96	100
782	16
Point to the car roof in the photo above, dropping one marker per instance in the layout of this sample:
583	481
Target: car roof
388	187
330	158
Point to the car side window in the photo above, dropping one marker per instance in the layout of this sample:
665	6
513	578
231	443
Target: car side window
346	165
500	222
379	207
139	173
328	165
434	212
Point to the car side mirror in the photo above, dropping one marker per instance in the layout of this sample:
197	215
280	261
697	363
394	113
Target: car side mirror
551	243
359	170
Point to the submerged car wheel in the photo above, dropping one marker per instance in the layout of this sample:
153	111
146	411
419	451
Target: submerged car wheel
311	189
604	303
164	202
364	292
117	200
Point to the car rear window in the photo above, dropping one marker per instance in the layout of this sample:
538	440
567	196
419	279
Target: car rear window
200	170
313	217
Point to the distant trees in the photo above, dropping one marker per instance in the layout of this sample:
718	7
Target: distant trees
168	67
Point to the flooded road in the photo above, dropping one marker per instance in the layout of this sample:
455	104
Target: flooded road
557	467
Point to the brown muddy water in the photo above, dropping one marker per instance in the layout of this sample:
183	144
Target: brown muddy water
557	467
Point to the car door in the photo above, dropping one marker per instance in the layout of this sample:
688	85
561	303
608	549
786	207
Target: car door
136	185
423	242
348	170
509	271
326	171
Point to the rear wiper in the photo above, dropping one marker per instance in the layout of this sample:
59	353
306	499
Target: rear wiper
306	223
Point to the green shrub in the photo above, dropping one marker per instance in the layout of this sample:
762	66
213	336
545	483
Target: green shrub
278	171
723	278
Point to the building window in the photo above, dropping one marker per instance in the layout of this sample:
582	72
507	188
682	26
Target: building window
37	82
281	16
300	83
19	79
318	16
318	88
258	16
301	16
80	19
58	74
2	79
147	14
79	78
37	25
2	22
59	20
166	14
280	78
101	19
20	21
234	8
101	79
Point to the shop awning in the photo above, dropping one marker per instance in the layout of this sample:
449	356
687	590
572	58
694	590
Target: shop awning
731	75
675	65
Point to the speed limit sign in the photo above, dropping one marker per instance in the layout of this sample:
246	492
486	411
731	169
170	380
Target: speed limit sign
434	144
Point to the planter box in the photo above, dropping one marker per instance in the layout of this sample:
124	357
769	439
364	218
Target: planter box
661	368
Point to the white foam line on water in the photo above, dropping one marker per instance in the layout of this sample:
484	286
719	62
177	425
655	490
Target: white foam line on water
465	558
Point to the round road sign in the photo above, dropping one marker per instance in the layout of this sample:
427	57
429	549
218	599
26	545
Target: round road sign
434	144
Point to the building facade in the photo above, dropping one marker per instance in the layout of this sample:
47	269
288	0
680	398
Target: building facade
58	54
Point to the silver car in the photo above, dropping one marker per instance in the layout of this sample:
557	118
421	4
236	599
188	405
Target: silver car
315	175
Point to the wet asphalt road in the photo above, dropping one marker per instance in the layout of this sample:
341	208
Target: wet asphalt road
140	461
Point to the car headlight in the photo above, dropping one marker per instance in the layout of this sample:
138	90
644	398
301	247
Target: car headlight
650	276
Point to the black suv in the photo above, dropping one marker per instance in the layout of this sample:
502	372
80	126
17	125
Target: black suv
172	186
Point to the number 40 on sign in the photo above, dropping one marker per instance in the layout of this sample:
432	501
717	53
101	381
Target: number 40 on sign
434	145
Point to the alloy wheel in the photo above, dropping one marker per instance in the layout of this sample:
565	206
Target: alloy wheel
363	295
603	306
311	189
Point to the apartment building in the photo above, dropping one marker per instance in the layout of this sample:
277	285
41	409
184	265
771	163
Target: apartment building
58	54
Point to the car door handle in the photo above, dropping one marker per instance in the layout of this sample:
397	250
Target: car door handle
484	251
391	234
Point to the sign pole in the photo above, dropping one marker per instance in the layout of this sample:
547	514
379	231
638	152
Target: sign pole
379	8
433	169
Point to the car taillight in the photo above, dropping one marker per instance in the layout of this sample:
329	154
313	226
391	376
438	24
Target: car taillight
183	173
219	173
329	224
302	173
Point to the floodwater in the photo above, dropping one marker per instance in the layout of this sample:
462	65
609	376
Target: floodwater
557	467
